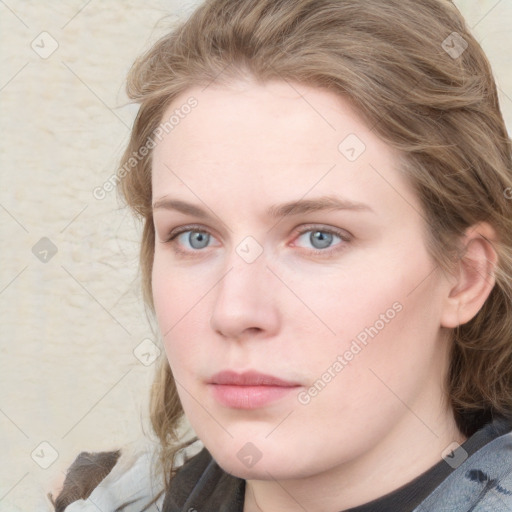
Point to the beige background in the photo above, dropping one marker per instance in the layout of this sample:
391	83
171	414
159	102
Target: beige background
70	325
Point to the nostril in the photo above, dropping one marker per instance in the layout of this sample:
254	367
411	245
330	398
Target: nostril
253	330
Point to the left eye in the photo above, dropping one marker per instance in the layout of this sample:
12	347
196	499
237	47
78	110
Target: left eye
318	239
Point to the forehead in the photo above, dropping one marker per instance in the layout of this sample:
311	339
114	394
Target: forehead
270	118
277	141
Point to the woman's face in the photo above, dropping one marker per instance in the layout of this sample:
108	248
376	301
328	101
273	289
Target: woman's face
300	310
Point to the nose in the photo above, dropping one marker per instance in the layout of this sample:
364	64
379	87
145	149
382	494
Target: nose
245	303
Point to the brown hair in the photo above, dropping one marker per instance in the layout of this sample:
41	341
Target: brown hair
417	85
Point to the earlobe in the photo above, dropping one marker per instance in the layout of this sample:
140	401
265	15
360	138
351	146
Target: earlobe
475	276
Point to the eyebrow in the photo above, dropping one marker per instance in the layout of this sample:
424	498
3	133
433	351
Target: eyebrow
300	207
303	206
180	206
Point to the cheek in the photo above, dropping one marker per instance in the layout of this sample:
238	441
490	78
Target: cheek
364	377
177	290
346	302
177	299
381	314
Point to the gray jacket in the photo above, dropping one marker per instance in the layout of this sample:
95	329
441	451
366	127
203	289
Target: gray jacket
474	478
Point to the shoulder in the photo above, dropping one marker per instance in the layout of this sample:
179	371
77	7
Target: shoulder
109	480
482	483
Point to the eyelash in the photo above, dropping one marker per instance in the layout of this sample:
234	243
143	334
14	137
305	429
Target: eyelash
344	236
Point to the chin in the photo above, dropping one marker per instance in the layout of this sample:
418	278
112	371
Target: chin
273	467
259	471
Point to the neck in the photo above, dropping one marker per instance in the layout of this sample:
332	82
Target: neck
405	453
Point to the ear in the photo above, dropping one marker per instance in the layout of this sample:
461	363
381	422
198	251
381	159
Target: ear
474	278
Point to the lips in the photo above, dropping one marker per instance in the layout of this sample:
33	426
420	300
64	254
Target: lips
248	390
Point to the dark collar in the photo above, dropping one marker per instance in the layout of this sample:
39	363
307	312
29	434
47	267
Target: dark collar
201	485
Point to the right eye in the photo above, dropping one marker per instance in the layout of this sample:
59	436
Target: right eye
193	239
190	239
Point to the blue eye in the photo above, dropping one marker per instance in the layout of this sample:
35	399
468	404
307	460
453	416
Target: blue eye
321	239
194	239
318	239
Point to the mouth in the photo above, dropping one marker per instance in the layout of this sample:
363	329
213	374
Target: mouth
248	390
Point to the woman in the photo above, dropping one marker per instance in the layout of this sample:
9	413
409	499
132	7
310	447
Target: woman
327	248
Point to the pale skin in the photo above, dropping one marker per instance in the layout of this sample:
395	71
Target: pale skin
323	276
